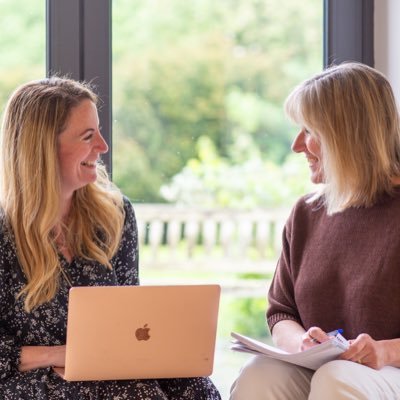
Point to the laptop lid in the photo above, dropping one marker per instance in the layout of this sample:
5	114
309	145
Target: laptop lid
137	332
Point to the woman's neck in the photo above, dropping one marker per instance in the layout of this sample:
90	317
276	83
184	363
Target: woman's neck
65	208
396	181
62	244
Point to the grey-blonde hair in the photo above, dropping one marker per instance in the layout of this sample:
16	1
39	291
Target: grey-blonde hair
352	109
30	188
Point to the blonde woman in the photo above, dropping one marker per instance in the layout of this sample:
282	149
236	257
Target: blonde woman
62	223
340	263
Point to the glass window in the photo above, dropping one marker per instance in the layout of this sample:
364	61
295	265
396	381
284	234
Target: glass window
22	44
201	145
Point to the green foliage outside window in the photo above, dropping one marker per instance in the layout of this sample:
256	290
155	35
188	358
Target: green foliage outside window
245	315
185	70
22	44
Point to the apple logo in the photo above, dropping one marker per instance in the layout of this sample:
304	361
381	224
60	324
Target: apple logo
142	333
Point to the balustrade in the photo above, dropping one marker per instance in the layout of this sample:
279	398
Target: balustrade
193	237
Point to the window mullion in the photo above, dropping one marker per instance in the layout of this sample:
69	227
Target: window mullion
79	45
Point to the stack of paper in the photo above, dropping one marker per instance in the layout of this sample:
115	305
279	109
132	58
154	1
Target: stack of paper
311	358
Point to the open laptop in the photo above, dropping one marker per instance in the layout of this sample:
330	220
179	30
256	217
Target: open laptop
136	332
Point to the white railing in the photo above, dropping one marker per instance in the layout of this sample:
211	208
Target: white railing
192	237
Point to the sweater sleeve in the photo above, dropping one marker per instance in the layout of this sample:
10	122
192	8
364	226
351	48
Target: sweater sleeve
281	299
126	261
9	353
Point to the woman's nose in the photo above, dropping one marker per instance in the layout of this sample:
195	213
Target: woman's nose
101	145
298	144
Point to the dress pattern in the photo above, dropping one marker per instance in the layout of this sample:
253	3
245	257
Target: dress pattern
46	326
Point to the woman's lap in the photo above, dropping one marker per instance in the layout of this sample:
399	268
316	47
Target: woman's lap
44	384
263	378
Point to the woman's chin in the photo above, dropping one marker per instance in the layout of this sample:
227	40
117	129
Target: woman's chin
317	178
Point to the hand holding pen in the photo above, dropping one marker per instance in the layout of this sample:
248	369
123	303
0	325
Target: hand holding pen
315	336
363	350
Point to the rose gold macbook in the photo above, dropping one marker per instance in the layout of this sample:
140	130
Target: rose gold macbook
136	332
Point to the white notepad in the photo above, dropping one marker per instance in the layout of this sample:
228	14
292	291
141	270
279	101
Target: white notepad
311	358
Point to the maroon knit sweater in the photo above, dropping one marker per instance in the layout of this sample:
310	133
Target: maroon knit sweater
340	271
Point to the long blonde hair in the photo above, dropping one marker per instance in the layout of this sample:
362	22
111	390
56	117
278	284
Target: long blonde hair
352	109
30	188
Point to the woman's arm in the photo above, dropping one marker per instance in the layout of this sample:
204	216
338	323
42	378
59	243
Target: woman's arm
391	351
292	337
288	335
33	357
126	261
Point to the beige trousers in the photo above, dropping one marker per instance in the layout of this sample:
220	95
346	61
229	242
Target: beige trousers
264	378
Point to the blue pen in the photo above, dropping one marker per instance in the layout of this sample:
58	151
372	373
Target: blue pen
335	332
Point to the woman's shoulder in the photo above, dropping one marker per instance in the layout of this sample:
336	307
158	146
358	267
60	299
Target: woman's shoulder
128	206
307	204
7	245
130	216
307	210
4	227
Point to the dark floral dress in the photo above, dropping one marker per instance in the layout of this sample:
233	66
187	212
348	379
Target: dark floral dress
46	325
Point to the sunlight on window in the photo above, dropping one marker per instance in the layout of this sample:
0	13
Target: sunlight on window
201	145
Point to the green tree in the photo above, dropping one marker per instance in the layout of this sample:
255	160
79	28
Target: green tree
22	43
210	180
183	70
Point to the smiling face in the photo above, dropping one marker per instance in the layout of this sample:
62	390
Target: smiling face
79	146
308	143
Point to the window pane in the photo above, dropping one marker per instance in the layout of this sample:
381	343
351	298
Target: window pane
201	144
22	44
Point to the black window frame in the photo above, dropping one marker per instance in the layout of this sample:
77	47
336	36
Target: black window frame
348	31
78	44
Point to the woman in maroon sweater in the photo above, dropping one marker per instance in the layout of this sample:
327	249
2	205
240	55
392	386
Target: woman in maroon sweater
340	263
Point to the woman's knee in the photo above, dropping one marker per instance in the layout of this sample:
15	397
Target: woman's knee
337	379
254	373
265	378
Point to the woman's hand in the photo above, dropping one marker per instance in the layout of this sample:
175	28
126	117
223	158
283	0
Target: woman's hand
33	357
287	335
313	337
291	336
372	353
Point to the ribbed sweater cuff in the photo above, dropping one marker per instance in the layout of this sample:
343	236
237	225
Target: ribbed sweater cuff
275	318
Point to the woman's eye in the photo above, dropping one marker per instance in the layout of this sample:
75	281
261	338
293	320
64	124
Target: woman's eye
87	138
